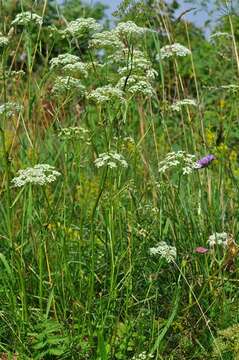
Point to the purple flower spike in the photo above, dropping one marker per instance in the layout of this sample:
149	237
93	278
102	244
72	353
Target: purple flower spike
201	250
205	161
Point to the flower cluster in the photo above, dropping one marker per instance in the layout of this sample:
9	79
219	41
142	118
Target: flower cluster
110	159
129	29
169	253
69	65
205	161
178	104
106	39
66	85
138	64
180	159
173	50
143	356
26	18
219	34
218	239
62	60
82	27
40	174
3	41
136	72
142	87
74	132
10	108
105	94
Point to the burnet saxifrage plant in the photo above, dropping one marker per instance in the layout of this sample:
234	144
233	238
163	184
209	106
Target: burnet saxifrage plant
106	245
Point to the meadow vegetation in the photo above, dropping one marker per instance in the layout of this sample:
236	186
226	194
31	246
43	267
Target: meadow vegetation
119	183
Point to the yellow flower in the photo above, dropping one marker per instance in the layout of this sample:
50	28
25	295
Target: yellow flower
210	137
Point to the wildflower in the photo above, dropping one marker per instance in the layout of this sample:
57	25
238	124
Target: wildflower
136	85
219	34
218	239
201	250
179	159
67	84
105	94
10	108
3	41
166	251
77	69
178	104
40	174
110	159
62	60
26	18
82	27
106	39
74	132
172	50
143	356
142	88
205	161
129	28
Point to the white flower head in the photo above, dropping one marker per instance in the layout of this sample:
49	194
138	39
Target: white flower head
68	84
186	162
3	41
110	159
143	356
219	34
169	253
82	27
40	174
62	60
129	29
10	108
106	94
180	103
218	239
74	132
142	87
26	18
173	50
106	39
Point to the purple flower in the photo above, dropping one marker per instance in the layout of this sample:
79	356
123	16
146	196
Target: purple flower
201	250
205	161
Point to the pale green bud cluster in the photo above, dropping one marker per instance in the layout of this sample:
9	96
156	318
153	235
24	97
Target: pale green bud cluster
26	18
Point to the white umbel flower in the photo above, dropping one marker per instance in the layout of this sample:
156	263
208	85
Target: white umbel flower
110	159
106	94
40	174
142	87
74	132
186	162
143	356
106	39
10	108
64	85
180	103
69	64
26	18
218	239
219	34
3	41
169	253
173	50
129	29
62	60
82	27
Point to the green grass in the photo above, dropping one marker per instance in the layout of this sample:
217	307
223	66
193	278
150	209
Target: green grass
77	278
